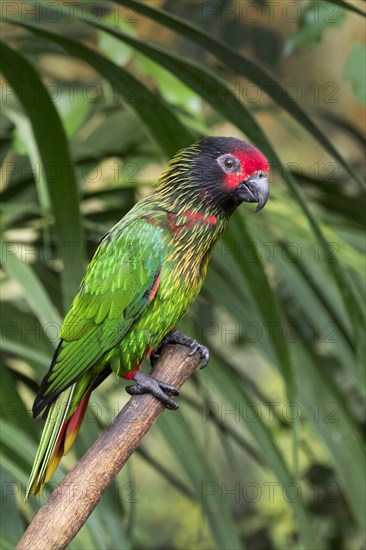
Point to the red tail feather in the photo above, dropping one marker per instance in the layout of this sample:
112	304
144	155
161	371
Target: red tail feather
74	423
69	431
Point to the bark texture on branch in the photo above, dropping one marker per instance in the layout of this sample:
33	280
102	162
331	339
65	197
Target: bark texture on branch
71	503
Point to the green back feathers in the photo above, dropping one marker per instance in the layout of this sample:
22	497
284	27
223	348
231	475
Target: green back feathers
113	294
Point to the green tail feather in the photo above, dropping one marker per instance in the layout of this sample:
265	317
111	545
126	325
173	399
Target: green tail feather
45	463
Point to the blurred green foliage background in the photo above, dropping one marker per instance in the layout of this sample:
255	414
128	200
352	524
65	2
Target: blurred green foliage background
266	450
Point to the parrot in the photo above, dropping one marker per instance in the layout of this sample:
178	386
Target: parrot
146	272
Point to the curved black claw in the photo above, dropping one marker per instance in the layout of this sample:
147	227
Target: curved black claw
148	384
202	350
177	337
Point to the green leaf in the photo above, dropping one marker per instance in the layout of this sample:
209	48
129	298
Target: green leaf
12	406
234	392
25	144
347	6
355	72
108	44
34	292
56	164
165	127
269	308
326	408
11	520
195	463
170	87
25	352
315	18
261	291
72	113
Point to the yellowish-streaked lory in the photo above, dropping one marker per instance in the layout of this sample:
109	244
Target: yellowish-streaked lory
143	277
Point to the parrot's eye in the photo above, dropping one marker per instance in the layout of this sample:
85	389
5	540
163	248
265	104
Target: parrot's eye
229	164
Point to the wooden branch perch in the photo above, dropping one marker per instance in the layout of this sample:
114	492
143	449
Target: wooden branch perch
72	502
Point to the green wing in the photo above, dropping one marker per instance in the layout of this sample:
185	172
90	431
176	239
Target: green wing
114	292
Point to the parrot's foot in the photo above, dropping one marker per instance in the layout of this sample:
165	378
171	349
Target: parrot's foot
148	384
177	337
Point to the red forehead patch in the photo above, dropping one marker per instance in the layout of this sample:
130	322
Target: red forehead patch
251	160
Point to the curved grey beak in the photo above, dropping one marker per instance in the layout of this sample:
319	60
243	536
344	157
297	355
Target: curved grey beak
254	189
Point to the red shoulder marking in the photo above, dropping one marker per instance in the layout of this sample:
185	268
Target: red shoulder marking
192	219
197	217
154	288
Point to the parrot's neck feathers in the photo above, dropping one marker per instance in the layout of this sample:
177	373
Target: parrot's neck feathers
181	190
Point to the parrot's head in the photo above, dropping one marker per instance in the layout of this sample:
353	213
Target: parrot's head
219	172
